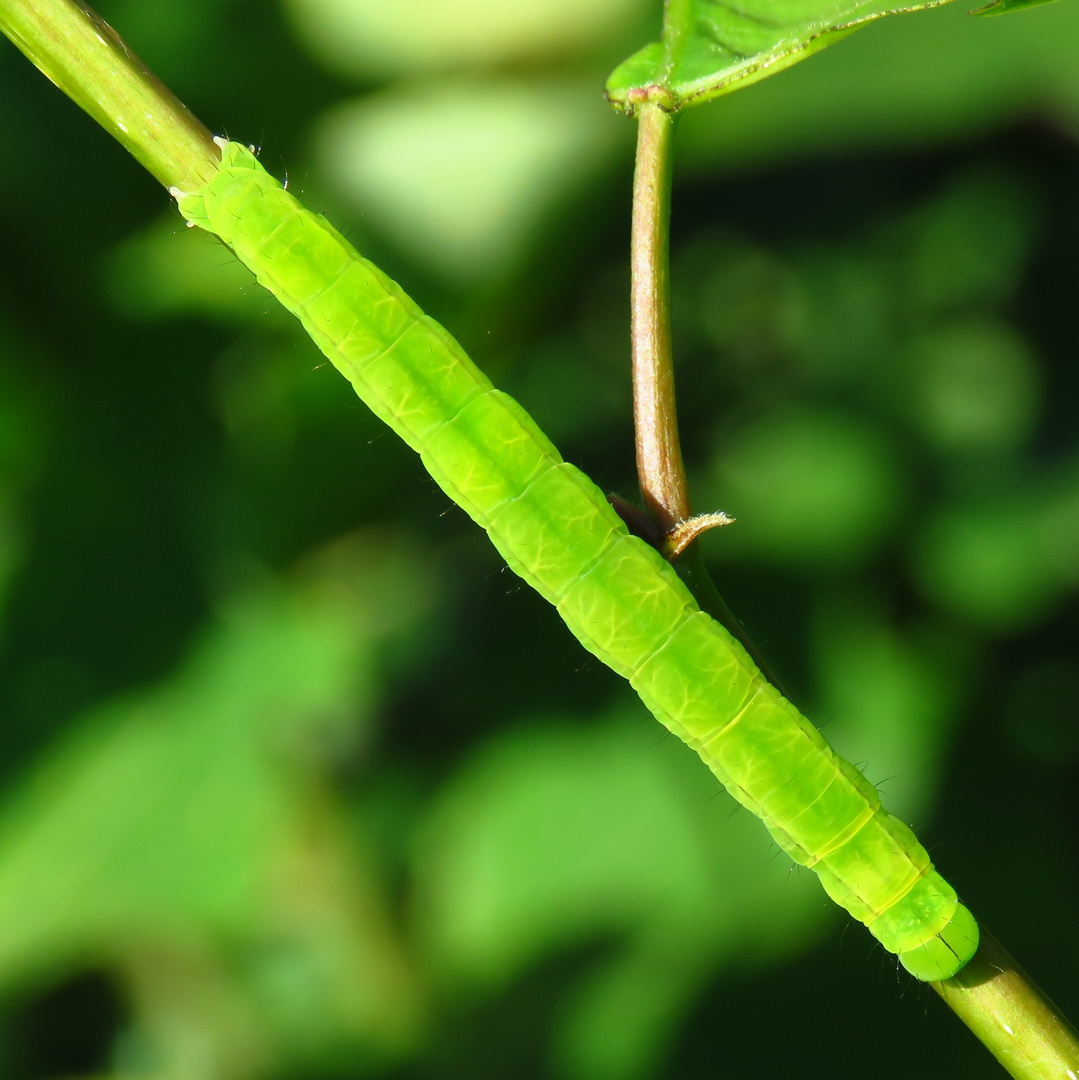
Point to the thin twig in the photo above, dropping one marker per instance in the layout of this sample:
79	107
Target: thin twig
660	472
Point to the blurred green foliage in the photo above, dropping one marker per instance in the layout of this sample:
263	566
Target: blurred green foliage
298	781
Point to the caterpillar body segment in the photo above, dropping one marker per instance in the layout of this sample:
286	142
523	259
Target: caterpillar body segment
620	598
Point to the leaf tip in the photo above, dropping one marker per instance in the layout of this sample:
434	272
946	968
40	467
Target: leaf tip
1005	7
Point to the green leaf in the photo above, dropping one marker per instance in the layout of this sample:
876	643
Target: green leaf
558	835
189	823
1004	7
710	47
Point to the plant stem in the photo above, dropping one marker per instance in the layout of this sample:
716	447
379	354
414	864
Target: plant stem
1011	1016
75	48
660	472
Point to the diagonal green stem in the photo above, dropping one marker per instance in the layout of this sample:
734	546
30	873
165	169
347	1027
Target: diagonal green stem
1010	1015
89	61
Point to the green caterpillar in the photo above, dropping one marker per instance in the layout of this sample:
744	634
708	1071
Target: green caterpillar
620	598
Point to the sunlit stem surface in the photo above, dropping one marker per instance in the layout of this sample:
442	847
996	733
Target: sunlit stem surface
75	48
1007	1011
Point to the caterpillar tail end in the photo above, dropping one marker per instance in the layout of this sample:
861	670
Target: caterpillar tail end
946	954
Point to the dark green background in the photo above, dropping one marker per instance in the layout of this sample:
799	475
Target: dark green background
297	779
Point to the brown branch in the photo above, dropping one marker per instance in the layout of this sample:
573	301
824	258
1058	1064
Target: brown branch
660	472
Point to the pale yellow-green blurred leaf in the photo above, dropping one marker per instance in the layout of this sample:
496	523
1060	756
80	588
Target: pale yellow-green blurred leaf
463	175
375	38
